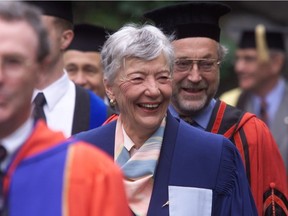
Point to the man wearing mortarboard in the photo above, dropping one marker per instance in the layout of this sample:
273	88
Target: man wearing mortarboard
259	64
196	77
67	107
82	58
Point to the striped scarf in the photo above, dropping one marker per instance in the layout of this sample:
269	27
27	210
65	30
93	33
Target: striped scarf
139	169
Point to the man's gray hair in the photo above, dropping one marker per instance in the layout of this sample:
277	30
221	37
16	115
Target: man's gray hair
19	11
145	42
222	52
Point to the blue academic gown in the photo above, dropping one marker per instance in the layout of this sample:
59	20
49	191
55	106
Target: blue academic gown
199	173
90	111
52	176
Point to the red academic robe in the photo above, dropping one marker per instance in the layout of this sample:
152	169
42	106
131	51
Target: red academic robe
262	160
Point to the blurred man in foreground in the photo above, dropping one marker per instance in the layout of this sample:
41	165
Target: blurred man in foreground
44	174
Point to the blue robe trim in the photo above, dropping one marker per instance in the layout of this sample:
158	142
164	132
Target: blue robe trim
102	137
98	111
90	111
25	190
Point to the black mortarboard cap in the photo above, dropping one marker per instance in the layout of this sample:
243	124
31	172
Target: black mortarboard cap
61	9
89	37
193	19
274	40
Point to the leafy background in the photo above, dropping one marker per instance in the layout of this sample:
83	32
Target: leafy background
244	14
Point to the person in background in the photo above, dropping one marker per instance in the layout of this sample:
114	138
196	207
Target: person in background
82	58
198	56
65	106
44	174
162	172
260	60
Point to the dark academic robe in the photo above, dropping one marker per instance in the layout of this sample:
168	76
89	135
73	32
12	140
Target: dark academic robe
90	111
198	173
264	166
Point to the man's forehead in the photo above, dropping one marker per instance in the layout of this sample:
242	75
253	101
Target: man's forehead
193	39
14	27
18	37
199	45
248	51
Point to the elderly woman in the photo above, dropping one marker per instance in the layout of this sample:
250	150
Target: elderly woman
169	167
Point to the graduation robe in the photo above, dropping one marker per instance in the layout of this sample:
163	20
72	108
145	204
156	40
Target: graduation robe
198	173
279	126
90	111
264	166
53	176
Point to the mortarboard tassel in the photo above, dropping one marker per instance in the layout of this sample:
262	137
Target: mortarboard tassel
261	43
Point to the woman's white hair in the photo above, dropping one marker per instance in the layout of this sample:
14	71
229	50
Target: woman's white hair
145	42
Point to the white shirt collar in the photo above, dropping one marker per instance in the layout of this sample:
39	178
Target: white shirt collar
14	141
273	100
55	91
128	143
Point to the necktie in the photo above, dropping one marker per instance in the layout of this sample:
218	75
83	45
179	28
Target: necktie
3	154
39	102
188	119
263	111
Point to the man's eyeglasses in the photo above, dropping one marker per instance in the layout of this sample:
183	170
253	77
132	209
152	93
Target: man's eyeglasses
203	65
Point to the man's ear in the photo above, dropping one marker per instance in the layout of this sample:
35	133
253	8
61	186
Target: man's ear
42	68
277	63
66	38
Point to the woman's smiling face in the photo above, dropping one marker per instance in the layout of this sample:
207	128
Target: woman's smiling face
142	90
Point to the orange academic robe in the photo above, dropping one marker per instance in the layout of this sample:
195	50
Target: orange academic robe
50	175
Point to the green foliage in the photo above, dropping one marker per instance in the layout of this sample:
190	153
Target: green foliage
113	14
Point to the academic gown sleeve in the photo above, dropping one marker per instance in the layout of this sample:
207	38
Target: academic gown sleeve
232	193
94	184
267	169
